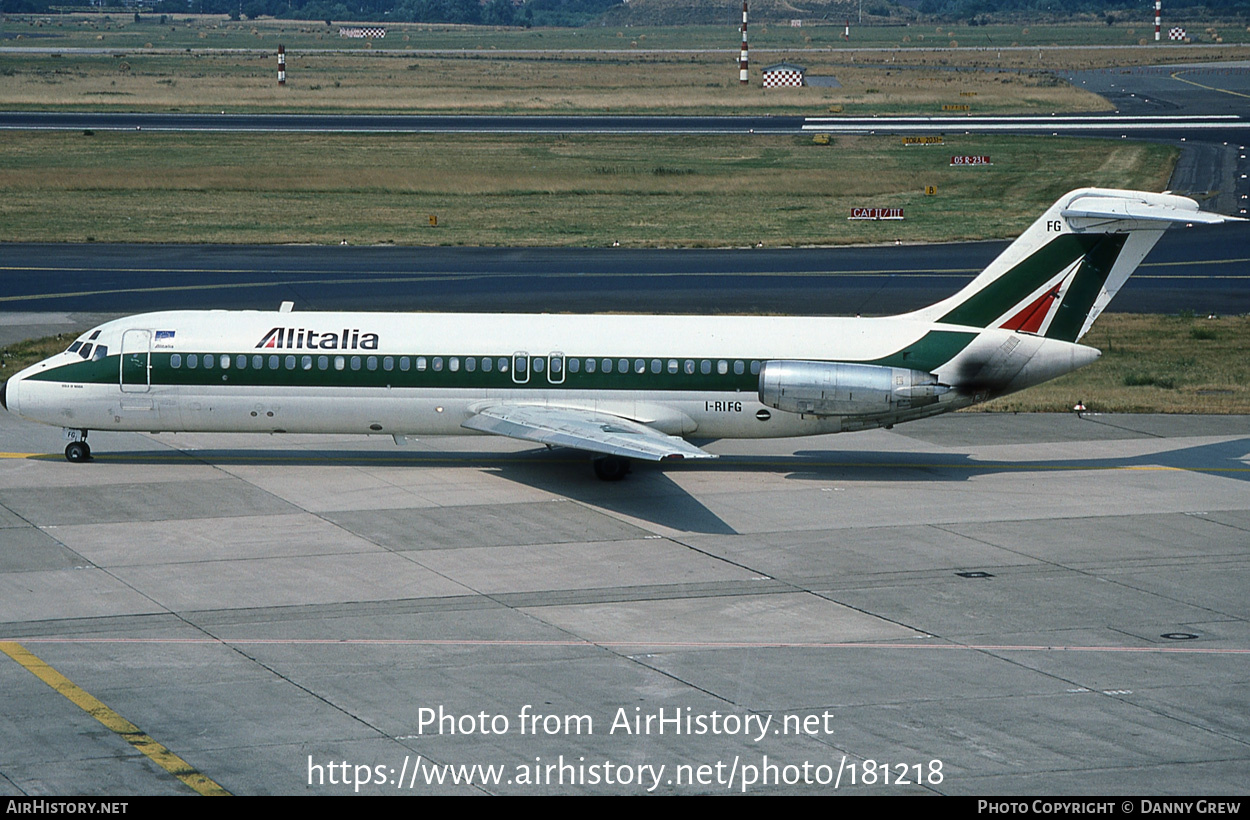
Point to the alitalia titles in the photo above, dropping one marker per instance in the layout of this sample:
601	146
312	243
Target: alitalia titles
297	338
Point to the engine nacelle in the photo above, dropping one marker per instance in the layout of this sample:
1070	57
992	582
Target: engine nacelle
840	389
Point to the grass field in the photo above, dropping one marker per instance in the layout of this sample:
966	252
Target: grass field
1150	363
212	64
539	191
605	83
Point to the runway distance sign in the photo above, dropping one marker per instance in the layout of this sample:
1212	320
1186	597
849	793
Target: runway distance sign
922	140
965	160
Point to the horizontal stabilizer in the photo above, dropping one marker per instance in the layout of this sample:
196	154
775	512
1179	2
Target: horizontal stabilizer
1095	208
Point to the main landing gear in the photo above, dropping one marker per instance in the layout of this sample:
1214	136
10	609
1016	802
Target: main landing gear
612	468
78	450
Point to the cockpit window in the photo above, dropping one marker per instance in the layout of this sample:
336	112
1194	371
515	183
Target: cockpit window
101	351
93	336
74	347
85	351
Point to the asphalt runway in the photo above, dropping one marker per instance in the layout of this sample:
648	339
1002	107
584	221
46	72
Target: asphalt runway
54	288
397	123
1205	89
1168	127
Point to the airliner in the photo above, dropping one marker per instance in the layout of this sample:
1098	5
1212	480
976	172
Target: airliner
618	387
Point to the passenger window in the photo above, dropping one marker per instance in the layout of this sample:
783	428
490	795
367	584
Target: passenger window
339	362
656	365
453	364
722	367
404	363
420	363
240	361
355	362
193	361
622	365
640	366
487	364
323	362
306	363
503	364
273	362
739	368
437	363
289	363
705	367
209	360
258	362
521	364
372	362
672	365
590	365
225	361
689	367
538	365
388	363
575	365
556	365
607	365
175	360
755	368
470	364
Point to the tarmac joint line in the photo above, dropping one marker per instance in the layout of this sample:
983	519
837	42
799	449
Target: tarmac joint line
75	694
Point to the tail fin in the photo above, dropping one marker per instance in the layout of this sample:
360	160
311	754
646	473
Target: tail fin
1057	277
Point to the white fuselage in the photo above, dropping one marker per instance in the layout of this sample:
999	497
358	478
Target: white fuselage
423	374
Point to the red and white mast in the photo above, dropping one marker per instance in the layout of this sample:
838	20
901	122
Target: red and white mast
742	60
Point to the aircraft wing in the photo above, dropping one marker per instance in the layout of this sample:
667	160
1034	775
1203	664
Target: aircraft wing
582	430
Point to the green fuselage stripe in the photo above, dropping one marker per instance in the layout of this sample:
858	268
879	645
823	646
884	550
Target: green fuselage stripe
926	354
929	352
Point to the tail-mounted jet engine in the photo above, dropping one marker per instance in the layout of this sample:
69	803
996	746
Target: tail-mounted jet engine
837	389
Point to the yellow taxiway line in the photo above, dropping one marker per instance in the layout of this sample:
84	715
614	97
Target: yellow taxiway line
76	695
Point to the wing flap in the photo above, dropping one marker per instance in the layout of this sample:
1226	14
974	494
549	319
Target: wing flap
582	430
